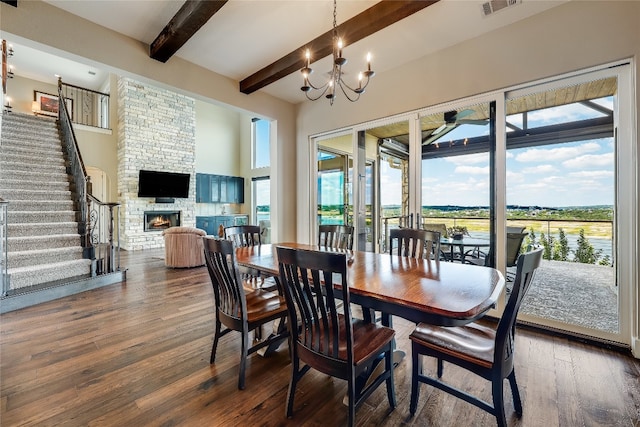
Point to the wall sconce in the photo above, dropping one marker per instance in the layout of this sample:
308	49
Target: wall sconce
7	105
10	72
10	52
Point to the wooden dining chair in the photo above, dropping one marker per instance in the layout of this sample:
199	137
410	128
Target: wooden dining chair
328	339
245	236
237	309
485	351
335	236
414	243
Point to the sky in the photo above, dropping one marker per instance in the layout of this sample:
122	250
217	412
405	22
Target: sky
560	175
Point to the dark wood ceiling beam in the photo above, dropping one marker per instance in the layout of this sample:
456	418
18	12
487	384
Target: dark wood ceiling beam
185	23
377	17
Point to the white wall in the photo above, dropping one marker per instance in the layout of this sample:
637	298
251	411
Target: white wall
218	139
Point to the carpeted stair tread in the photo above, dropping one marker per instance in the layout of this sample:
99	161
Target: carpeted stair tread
31	150
41	216
35	275
8	184
35	195
26	243
40	205
28	175
35	257
39	162
41	228
27	167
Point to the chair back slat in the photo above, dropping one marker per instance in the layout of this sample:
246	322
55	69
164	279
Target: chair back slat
335	236
505	343
414	243
308	278
243	235
227	286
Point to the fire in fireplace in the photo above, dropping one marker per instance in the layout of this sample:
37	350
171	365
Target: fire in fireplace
160	220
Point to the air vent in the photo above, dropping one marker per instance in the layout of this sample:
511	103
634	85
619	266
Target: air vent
493	6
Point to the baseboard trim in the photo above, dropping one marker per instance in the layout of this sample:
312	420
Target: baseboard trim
28	299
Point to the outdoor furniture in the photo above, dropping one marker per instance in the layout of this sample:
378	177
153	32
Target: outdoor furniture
183	247
236	309
514	245
335	236
445	250
327	338
485	351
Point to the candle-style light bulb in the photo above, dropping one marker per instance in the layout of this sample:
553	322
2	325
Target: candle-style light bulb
308	56
359	80
340	48
369	61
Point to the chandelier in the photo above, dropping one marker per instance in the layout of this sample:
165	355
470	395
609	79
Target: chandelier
329	88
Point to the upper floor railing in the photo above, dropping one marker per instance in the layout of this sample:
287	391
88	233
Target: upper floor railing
88	107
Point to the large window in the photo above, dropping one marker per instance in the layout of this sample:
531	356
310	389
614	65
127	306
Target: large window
260	134
262	206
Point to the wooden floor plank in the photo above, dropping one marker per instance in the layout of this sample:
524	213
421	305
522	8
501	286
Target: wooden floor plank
137	353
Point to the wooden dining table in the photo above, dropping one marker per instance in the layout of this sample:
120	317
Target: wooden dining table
419	290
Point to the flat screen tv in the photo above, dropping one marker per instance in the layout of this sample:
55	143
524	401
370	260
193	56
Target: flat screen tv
163	185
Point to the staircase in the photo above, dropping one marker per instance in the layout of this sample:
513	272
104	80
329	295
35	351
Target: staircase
43	241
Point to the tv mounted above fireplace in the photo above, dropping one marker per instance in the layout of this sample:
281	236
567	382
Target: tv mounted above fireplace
164	186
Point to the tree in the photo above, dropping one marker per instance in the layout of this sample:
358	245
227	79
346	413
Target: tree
561	247
585	253
547	244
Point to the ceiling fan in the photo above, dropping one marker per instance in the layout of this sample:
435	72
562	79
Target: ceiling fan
452	119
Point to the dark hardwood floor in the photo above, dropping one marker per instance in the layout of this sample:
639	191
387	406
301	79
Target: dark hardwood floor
137	354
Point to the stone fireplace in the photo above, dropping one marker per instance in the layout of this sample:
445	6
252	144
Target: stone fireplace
161	220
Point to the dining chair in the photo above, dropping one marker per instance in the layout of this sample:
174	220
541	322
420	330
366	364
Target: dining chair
325	337
245	236
514	245
237	309
483	350
414	243
445	250
335	236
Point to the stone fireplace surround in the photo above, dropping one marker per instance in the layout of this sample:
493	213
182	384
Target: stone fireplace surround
156	131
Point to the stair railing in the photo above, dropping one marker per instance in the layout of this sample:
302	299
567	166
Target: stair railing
4	242
105	238
75	167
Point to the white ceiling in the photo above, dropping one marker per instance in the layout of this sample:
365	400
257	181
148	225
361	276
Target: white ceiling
247	35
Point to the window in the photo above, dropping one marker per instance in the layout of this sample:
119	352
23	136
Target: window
260	134
262	206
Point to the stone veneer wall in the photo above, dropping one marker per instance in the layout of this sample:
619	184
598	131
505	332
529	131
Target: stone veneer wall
156	131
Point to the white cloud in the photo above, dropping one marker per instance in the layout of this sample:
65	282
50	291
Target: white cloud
472	170
556	154
540	169
469	159
589	160
592	174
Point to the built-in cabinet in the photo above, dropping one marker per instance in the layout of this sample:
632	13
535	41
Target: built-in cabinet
219	188
211	224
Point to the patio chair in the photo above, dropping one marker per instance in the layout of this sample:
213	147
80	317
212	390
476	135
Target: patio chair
514	244
485	351
445	250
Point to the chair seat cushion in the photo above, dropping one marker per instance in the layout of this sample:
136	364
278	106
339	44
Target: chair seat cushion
472	342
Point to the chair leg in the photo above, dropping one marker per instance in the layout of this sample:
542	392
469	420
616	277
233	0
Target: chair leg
243	359
498	401
216	337
517	402
440	368
416	369
296	374
391	390
351	392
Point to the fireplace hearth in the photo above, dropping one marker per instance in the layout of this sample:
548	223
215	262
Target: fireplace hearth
161	220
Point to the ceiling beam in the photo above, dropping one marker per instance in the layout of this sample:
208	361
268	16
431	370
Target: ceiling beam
185	23
377	17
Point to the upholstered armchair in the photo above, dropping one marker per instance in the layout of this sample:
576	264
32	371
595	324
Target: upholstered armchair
183	247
